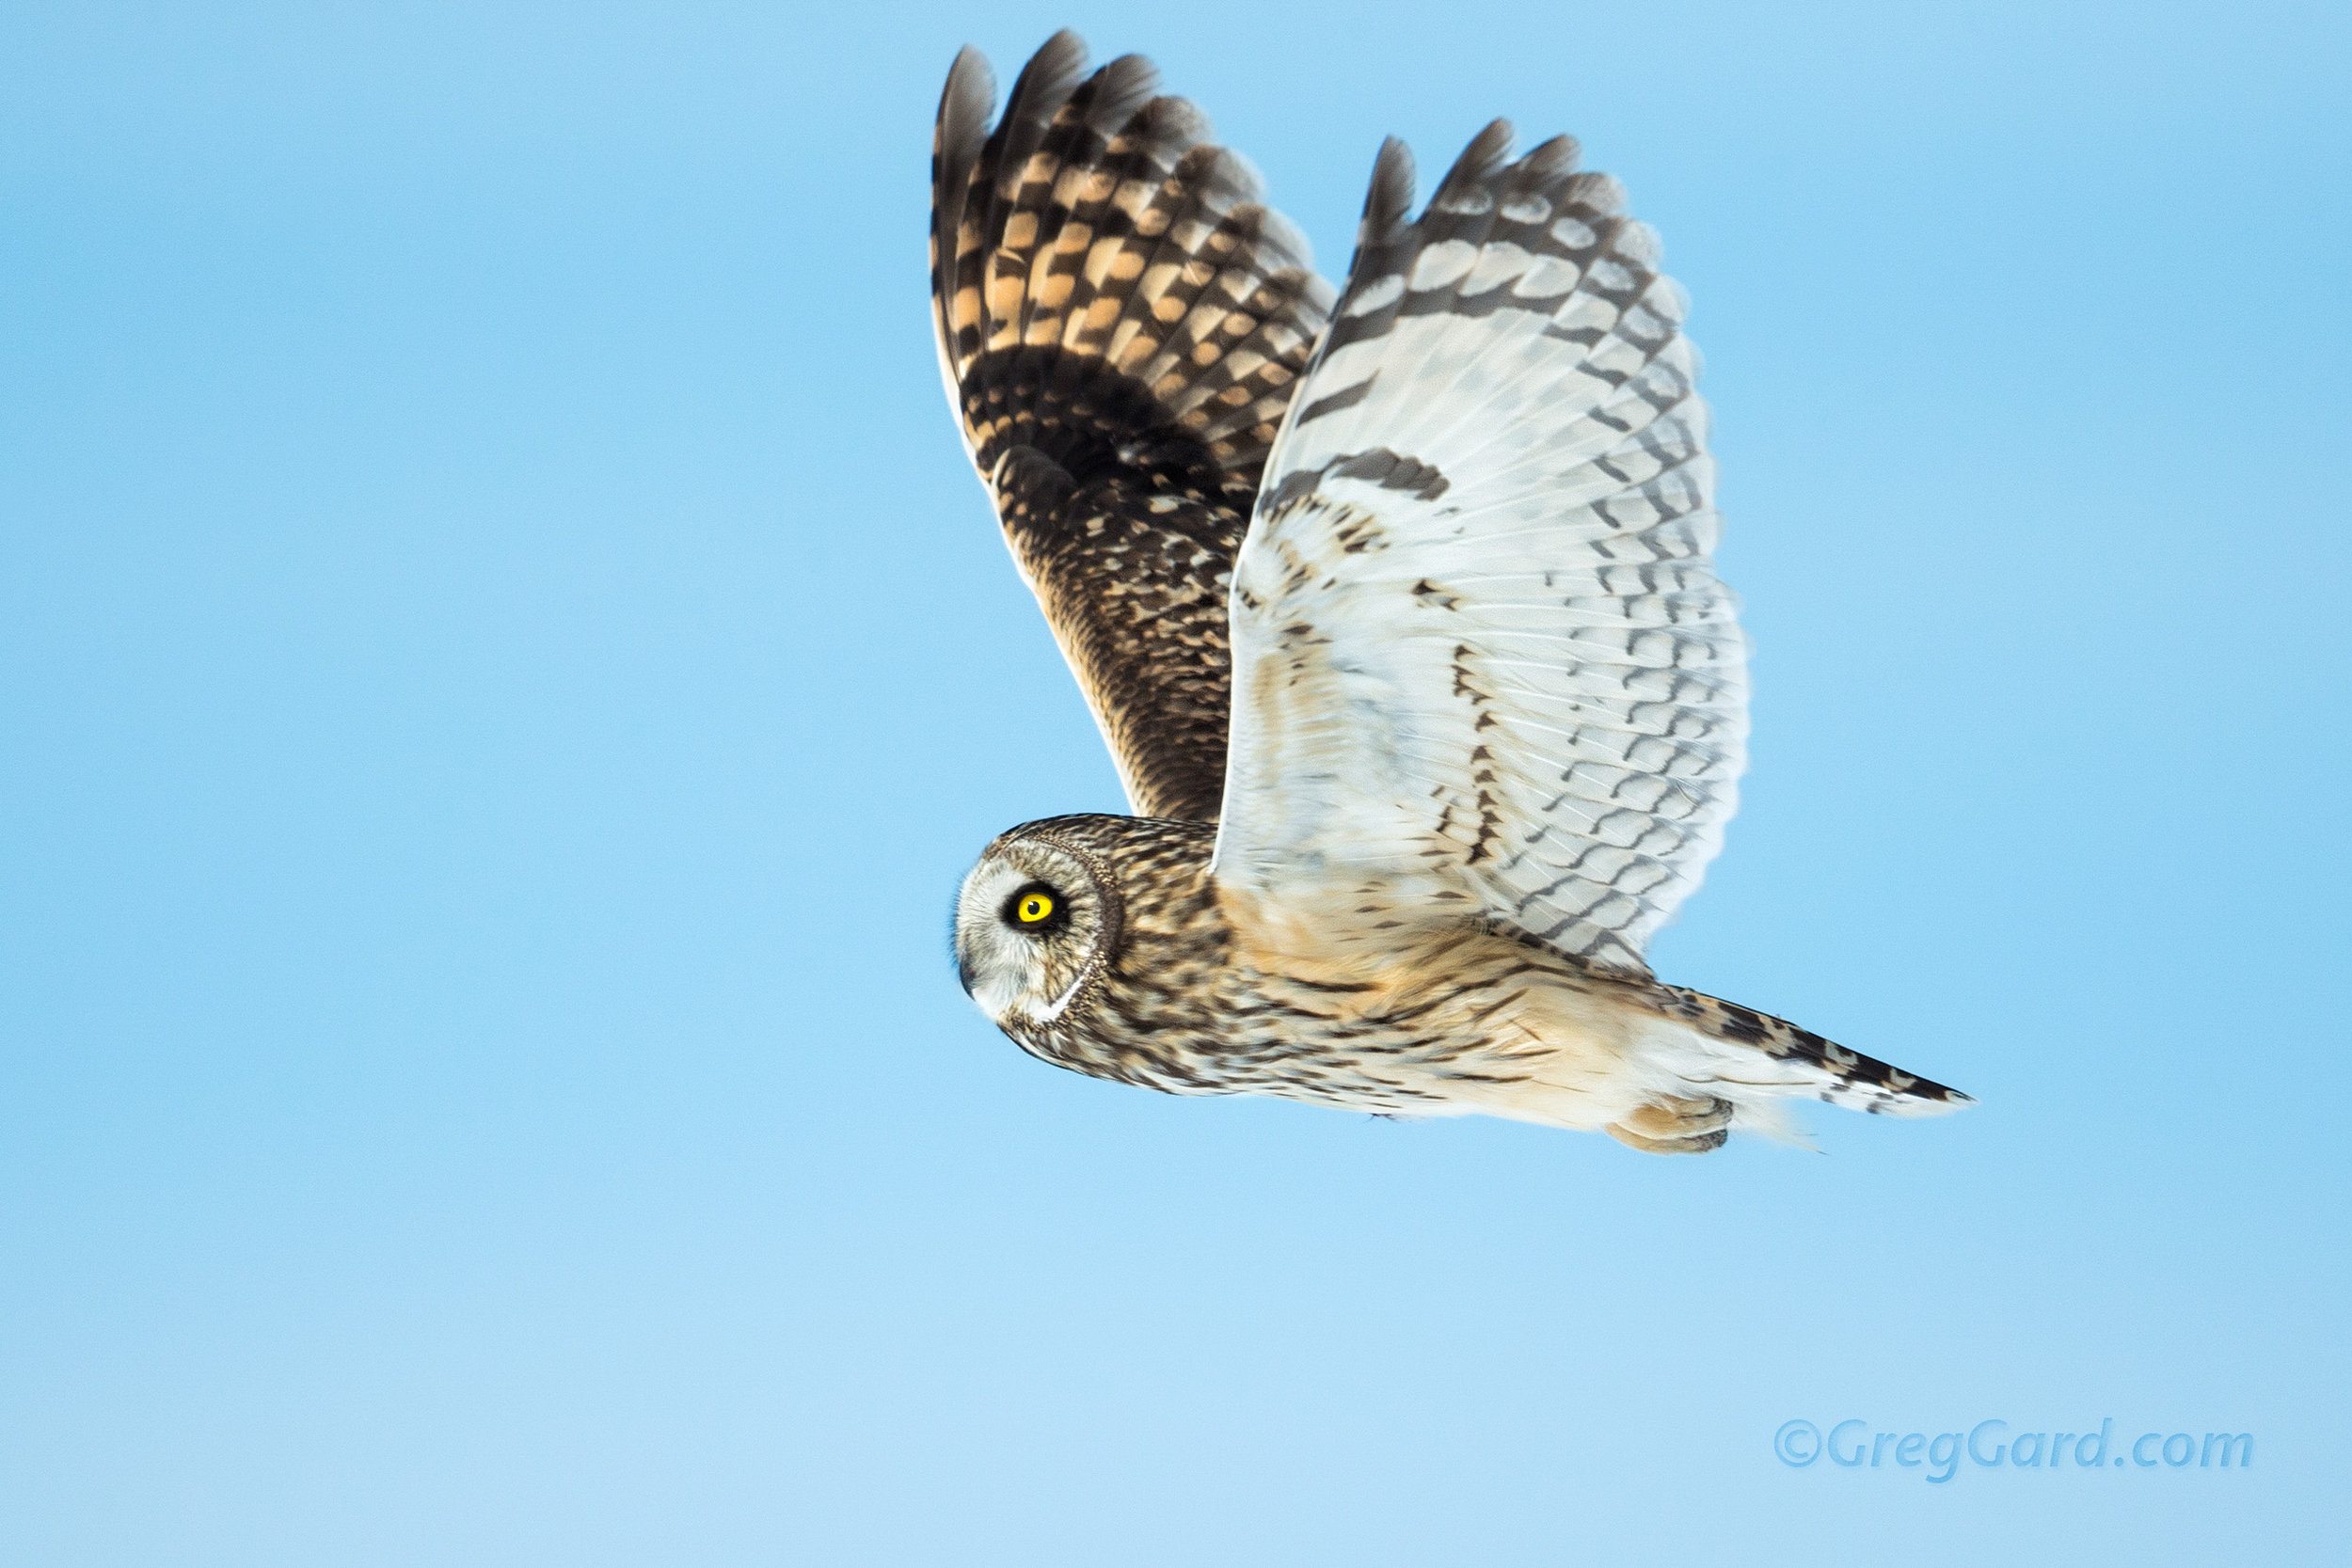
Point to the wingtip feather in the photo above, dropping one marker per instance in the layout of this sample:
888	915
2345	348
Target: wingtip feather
965	106
1466	182
1052	75
1390	199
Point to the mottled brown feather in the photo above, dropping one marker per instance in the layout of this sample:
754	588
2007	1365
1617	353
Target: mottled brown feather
1122	323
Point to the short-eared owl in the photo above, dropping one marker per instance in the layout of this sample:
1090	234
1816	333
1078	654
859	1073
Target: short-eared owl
1396	610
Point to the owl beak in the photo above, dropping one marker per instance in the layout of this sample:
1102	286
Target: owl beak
964	973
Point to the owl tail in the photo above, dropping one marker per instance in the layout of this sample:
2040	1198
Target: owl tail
1755	1060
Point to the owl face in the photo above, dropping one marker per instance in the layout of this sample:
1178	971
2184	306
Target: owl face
1036	922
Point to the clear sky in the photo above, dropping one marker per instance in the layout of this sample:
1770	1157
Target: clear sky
502	665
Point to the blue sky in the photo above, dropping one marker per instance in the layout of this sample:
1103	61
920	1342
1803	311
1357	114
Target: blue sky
502	665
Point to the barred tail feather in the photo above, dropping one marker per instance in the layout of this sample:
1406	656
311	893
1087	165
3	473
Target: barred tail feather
1755	1060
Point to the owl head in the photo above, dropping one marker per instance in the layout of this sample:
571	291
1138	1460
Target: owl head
1037	921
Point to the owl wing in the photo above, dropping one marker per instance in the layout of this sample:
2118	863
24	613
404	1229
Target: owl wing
1120	324
1482	655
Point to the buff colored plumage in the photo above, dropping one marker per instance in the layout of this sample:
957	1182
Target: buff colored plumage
1397	609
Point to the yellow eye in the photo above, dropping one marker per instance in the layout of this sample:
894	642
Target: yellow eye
1033	908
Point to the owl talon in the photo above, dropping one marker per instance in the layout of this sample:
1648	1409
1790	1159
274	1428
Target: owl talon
1676	1126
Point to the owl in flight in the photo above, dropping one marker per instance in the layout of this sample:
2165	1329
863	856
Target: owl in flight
1395	608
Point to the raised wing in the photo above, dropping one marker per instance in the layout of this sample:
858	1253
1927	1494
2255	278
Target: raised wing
1481	654
1121	326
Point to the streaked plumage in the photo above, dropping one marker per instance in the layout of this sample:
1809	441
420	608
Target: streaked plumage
1397	613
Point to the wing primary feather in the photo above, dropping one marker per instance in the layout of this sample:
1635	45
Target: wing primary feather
957	138
1387	202
1436	254
1020	176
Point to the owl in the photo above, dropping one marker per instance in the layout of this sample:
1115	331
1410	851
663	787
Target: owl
1395	607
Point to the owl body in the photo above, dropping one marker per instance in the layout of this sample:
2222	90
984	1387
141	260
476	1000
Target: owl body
1203	992
1150	972
1396	608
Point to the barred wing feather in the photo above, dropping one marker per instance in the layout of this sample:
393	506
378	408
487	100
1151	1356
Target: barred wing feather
1481	654
1121	322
